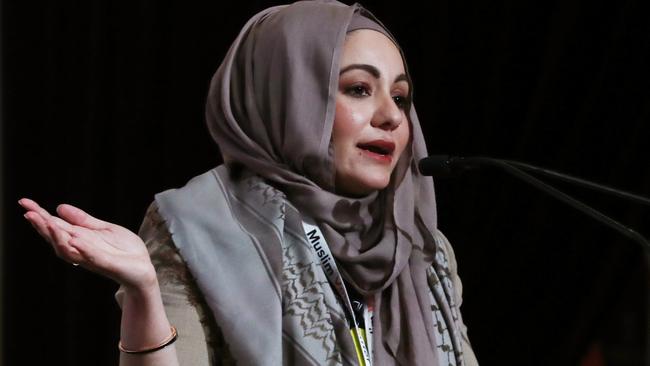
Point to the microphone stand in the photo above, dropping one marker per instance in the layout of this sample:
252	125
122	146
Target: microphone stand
556	193
513	167
581	182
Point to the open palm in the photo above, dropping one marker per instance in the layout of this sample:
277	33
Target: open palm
108	249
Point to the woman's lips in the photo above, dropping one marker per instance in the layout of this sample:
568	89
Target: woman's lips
378	150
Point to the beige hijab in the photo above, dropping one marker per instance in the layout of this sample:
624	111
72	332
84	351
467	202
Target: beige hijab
271	109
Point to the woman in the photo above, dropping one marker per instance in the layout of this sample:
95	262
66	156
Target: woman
311	110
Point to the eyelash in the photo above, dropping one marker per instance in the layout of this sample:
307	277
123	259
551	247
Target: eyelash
360	91
402	102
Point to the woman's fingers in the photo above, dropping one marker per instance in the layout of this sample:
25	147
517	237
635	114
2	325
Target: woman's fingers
61	245
37	216
69	213
74	221
64	225
77	216
30	205
39	224
53	229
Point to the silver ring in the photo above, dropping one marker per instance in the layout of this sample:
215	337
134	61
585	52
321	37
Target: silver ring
75	264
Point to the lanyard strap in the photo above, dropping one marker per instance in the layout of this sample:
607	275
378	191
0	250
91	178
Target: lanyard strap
322	252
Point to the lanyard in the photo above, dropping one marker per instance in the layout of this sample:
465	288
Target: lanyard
322	252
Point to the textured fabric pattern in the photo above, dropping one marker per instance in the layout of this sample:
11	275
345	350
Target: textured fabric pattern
312	329
201	343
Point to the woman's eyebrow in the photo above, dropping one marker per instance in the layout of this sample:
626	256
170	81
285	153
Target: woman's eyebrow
372	71
368	68
402	77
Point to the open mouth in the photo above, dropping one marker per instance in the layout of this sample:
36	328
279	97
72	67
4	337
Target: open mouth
378	148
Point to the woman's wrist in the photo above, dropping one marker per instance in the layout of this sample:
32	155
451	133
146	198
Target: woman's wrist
146	286
144	321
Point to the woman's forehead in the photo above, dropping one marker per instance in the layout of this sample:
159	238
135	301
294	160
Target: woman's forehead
367	46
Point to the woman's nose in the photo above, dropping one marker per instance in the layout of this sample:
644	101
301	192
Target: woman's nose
387	115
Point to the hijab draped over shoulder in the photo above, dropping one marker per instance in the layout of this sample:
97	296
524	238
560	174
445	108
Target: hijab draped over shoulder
271	110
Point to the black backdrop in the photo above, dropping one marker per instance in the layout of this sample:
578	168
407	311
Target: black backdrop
103	107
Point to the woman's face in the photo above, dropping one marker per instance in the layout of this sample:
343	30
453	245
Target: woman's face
371	127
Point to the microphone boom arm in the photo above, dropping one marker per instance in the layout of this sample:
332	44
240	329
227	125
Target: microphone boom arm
556	193
581	182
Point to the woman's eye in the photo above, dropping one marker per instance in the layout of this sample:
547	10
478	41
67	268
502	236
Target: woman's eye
358	91
402	102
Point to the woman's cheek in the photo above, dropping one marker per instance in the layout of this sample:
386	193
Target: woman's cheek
347	123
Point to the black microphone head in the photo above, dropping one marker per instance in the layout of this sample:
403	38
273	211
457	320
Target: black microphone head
437	166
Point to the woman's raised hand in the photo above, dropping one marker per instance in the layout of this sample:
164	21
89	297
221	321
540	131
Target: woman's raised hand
97	245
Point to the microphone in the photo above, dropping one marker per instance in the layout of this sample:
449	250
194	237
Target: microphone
443	166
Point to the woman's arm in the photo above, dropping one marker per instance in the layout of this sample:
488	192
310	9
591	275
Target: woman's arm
198	336
119	254
145	325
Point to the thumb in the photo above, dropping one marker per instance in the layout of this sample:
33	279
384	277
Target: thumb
77	216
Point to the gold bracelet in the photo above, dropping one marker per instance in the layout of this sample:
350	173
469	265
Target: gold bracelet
169	340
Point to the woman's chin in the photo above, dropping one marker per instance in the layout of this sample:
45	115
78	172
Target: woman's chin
362	186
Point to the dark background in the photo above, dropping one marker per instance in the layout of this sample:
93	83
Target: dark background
103	107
